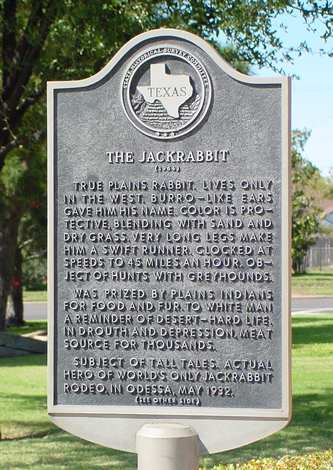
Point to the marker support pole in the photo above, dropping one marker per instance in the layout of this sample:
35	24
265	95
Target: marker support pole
167	447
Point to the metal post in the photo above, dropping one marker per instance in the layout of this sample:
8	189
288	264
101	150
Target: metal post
167	446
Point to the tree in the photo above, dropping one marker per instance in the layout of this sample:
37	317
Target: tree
64	39
305	210
31	239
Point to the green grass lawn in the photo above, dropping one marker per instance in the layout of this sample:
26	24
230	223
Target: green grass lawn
23	397
313	283
23	413
35	296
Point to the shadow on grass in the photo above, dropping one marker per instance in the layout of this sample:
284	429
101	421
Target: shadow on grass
310	430
25	402
310	331
313	411
320	274
28	327
30	418
23	361
60	451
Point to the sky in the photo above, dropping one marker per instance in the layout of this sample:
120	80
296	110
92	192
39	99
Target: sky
312	93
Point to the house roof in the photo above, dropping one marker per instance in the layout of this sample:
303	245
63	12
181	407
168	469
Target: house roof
327	205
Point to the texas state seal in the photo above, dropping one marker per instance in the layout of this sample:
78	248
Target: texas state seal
166	92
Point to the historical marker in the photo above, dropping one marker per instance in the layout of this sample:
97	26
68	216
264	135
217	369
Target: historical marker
169	247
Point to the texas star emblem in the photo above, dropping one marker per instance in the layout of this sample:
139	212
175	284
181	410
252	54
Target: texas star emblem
171	90
166	92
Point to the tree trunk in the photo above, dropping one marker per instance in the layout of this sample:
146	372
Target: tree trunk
16	289
8	240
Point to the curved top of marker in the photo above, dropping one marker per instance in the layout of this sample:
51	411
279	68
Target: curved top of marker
168	33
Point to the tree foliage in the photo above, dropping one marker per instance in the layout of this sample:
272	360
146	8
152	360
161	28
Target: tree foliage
48	40
305	199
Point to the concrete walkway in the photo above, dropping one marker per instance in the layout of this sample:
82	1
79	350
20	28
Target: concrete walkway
311	304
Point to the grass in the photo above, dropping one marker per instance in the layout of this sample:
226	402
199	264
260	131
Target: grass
311	426
35	296
23	414
314	282
29	327
62	452
23	397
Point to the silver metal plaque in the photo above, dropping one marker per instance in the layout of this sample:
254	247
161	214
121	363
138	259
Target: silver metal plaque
169	242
